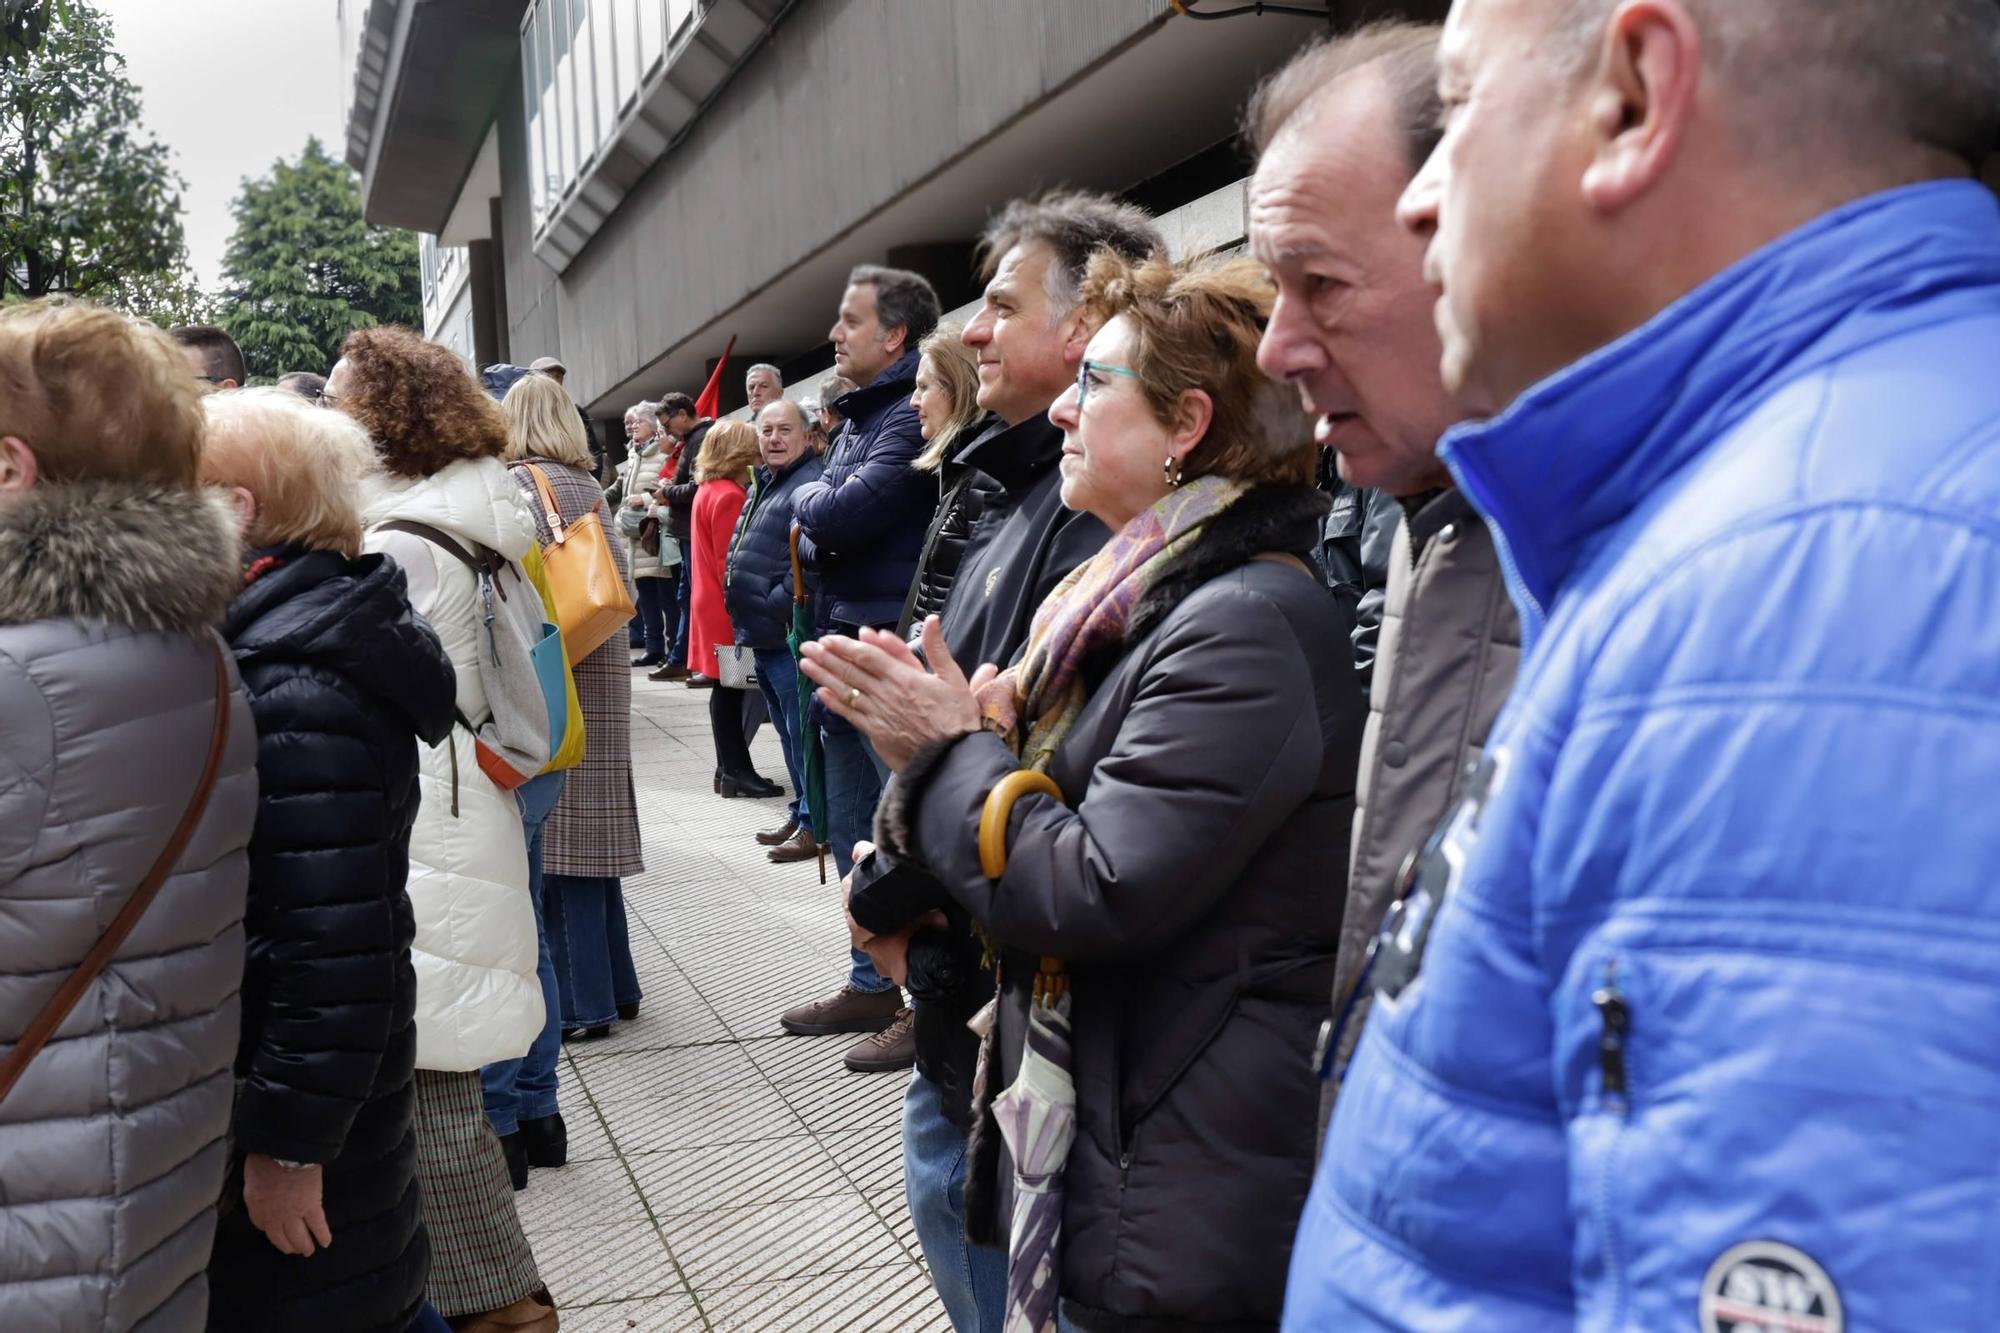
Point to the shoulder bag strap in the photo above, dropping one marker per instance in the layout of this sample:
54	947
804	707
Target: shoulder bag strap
549	506
101	953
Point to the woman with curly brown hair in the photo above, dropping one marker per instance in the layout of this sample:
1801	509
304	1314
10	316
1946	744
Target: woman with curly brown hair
439	440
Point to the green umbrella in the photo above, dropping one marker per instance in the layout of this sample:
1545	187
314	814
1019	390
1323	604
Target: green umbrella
812	764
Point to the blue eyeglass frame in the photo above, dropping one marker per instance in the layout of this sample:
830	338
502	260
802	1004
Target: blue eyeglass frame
1102	367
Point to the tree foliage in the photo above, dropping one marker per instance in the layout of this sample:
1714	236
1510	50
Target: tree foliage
89	203
304	268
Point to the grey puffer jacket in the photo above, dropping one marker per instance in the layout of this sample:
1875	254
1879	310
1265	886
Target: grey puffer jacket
1450	644
112	1146
1194	886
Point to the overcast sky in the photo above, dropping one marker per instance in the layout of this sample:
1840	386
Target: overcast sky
231	86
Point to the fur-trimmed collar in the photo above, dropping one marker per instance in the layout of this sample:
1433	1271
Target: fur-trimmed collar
144	556
1264	519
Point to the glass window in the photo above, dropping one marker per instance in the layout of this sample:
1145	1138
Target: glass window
561	42
583	88
634	54
535	75
678	13
604	45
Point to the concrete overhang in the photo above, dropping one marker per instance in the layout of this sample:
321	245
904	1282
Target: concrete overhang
426	78
1156	100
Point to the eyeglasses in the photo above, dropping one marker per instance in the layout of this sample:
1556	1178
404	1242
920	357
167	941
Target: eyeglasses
214	379
1101	367
325	399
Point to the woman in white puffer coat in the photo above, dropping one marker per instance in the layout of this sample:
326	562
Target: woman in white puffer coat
439	438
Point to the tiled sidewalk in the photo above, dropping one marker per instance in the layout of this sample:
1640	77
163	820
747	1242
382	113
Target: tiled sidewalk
722	1174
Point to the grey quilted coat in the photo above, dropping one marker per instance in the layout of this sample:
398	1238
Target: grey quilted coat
112	1146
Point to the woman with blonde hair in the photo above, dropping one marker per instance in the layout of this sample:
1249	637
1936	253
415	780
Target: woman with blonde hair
440	484
115	564
1189	693
591	840
728	456
947	402
344	680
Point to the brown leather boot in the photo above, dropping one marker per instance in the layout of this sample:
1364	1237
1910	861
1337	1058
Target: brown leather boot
801	846
846	1010
778	837
893	1048
535	1313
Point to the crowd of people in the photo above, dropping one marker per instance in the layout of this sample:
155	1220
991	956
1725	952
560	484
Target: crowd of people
1427	775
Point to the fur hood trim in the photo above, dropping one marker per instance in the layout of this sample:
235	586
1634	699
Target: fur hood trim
1264	519
147	557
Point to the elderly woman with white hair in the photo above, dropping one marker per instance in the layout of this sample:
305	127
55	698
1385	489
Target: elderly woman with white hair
655	563
322	1228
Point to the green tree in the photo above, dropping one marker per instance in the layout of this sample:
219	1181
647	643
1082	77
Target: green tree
89	203
304	268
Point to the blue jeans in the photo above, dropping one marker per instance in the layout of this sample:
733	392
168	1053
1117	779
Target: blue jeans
677	651
525	1089
970	1279
429	1321
655	596
778	677
584	916
853	785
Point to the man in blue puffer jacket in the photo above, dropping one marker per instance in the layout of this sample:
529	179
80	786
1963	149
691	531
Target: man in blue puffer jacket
757	589
1687	1020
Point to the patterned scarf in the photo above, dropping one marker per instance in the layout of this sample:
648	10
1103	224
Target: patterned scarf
1044	693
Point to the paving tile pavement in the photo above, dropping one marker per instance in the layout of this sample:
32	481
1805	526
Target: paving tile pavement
723	1175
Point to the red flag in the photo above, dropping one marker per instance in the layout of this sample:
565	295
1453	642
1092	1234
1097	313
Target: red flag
710	402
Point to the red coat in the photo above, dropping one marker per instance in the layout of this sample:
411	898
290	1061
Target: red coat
716	505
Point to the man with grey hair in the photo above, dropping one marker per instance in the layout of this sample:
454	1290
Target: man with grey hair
1684	1020
1339	132
1028	335
762	384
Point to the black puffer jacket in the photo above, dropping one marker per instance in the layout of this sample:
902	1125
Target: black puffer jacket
1022	544
757	587
962	493
1195	887
678	492
344	679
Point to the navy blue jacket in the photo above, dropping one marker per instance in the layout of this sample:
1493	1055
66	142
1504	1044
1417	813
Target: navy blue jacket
757	587
863	522
343	679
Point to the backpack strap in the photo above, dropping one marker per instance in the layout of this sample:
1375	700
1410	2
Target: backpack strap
101	953
480	560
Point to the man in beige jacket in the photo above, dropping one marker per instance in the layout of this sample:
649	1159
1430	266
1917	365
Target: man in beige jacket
1339	133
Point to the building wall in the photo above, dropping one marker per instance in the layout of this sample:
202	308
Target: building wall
747	194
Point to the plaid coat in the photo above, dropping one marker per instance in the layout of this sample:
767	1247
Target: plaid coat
595	828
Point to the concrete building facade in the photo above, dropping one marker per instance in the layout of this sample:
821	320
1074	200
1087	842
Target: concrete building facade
627	184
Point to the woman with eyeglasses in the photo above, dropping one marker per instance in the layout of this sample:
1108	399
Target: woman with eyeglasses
1190	693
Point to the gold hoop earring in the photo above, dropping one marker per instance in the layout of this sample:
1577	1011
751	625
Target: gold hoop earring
1171	472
